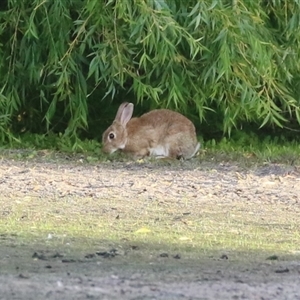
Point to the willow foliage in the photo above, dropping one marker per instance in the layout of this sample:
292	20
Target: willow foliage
237	61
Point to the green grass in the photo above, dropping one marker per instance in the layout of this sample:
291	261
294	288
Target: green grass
205	227
253	150
242	147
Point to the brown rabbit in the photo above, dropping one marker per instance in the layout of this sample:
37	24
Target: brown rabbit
160	133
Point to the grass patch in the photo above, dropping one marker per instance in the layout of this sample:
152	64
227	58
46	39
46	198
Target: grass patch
254	149
243	147
186	226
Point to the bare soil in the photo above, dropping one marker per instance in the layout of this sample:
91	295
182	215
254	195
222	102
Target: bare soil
35	271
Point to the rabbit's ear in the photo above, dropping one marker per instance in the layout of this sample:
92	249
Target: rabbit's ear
124	113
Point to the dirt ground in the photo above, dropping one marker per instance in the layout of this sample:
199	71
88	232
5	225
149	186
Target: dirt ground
35	272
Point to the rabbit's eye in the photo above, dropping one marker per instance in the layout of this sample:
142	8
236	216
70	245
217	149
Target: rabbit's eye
111	136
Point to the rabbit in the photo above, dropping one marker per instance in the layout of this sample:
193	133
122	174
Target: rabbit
159	133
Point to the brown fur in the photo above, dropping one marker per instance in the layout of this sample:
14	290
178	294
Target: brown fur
153	130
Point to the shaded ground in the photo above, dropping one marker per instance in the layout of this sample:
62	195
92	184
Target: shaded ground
39	272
